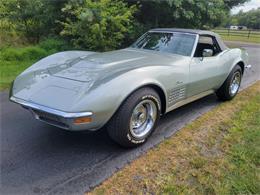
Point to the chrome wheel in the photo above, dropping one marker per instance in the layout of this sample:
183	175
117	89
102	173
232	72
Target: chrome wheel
235	83
143	118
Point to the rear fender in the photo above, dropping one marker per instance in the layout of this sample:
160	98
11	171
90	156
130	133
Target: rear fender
241	58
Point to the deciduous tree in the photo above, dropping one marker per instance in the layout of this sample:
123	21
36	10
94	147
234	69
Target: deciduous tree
97	25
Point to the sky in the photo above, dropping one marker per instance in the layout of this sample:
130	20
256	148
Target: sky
247	6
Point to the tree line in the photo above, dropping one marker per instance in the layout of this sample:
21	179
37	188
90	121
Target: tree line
250	19
107	24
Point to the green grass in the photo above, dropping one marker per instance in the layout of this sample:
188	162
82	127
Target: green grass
10	69
239	35
240	38
13	60
219	153
237	172
244	154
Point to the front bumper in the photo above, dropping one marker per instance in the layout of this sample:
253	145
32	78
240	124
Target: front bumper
61	119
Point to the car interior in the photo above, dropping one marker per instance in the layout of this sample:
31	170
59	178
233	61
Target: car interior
207	42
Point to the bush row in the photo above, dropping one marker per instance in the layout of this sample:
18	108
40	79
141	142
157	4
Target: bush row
44	48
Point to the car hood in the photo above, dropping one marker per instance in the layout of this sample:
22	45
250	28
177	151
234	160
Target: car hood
69	80
99	66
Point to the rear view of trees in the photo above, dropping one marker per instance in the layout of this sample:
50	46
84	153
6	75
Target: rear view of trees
108	24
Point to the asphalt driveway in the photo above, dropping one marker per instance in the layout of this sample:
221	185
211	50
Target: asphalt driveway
37	158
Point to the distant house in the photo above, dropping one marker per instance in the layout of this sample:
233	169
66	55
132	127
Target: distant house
237	27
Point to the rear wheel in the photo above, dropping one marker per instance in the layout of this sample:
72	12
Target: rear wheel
231	86
136	119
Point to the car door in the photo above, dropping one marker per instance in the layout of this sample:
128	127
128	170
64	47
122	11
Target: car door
204	72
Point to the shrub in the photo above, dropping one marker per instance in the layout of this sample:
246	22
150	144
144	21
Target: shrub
29	53
33	19
23	54
53	45
97	25
34	52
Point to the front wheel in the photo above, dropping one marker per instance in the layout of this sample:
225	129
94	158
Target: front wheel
136	118
231	86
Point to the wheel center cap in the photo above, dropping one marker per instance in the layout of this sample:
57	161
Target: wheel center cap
141	116
140	119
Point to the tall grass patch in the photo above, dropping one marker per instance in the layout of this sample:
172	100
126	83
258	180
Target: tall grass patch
13	60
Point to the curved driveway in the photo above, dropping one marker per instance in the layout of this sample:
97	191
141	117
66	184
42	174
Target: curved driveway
37	158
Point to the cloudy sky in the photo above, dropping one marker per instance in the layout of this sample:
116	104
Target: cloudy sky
247	6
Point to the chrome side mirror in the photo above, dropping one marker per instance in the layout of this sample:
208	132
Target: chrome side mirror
207	53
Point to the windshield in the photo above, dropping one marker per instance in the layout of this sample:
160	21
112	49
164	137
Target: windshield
176	43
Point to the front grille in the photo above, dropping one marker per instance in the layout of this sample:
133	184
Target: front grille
50	118
47	115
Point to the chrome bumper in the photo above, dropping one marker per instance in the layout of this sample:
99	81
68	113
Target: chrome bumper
55	117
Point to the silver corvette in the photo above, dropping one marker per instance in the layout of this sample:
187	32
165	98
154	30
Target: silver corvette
127	90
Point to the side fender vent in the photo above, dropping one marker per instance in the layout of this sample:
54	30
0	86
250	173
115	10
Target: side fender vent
176	95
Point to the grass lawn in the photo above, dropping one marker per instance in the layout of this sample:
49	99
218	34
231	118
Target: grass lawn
240	38
239	35
13	60
219	153
10	69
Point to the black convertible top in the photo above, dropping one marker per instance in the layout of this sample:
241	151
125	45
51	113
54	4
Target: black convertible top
194	31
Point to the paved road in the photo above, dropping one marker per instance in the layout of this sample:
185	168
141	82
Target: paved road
37	158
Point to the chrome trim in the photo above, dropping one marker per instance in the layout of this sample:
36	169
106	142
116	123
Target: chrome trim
143	119
189	99
235	83
248	66
195	46
50	110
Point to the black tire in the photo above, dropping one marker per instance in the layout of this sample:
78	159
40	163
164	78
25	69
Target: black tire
119	125
224	92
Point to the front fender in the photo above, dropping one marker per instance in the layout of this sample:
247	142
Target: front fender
105	99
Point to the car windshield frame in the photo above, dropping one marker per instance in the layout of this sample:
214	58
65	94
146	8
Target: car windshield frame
172	34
